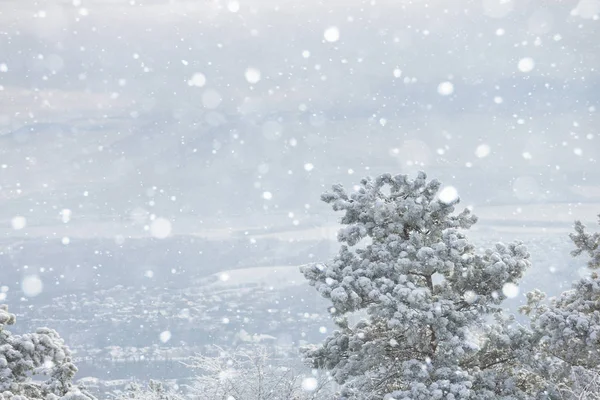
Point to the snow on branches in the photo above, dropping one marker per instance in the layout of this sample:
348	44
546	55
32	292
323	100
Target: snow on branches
405	263
567	330
42	353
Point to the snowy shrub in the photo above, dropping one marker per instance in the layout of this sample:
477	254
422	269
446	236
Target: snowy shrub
155	390
253	373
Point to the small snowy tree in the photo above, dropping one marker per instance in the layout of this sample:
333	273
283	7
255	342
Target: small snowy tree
428	296
154	391
43	353
567	331
252	373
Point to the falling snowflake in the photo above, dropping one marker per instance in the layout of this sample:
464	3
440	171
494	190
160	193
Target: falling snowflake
510	290
224	277
470	296
448	195
309	384
160	228
332	34
252	75
165	336
198	80
526	64
445	88
18	222
483	150
32	285
233	6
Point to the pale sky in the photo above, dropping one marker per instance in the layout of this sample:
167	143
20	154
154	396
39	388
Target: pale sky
236	98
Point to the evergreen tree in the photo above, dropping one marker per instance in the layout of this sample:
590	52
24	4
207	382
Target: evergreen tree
429	298
43	353
567	331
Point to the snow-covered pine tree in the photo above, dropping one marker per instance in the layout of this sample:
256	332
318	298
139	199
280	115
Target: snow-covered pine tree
428	297
43	353
567	331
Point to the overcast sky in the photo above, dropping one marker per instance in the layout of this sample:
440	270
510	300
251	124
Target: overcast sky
220	102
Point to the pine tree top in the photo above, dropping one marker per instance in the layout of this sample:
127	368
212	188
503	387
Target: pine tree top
395	205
